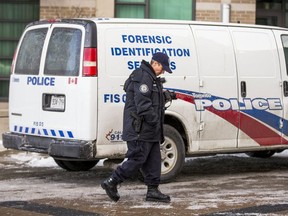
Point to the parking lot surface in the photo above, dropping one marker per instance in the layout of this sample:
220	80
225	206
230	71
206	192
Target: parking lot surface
32	184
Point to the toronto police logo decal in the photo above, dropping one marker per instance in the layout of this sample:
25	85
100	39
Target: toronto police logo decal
143	88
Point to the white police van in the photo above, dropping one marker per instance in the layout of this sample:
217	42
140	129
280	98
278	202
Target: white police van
66	90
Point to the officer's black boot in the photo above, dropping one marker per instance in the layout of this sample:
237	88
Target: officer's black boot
110	186
154	195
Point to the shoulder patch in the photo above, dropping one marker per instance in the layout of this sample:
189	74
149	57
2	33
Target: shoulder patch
143	88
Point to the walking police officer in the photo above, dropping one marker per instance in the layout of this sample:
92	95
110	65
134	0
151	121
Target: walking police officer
143	128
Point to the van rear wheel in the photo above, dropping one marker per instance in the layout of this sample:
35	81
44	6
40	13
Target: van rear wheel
76	165
261	154
172	154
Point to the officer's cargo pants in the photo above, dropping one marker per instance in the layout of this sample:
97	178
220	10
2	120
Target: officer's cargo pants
141	155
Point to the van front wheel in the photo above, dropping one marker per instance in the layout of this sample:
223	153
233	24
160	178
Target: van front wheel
172	154
76	165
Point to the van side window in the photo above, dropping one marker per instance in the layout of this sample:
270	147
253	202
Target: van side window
285	49
63	55
29	55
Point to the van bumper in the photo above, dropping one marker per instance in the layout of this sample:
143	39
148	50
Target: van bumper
76	149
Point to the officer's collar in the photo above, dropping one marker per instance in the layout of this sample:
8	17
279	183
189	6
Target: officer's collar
149	69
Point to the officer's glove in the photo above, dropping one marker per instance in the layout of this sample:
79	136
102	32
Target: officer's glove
137	122
173	95
169	96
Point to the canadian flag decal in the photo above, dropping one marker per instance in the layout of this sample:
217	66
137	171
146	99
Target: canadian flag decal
72	80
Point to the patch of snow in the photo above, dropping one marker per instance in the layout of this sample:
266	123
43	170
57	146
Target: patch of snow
153	205
195	206
37	160
42	162
100	163
33	159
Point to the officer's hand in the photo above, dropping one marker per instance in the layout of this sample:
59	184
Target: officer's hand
169	96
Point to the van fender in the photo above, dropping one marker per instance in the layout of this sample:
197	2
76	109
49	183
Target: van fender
179	122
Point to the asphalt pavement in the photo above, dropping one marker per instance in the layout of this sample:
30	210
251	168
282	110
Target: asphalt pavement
32	184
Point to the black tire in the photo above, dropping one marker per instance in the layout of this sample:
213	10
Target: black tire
261	154
60	163
172	154
76	165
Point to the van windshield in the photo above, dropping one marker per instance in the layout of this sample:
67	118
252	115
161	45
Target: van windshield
29	55
63	55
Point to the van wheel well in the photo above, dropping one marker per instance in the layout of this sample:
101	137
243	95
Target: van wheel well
174	122
76	165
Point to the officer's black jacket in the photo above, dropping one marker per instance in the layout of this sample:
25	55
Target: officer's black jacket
144	97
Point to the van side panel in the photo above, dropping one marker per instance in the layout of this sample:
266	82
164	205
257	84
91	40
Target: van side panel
121	49
260	93
282	45
218	77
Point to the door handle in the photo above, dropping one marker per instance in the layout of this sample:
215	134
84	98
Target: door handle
285	88
243	89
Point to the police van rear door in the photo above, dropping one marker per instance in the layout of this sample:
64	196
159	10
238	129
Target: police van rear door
48	95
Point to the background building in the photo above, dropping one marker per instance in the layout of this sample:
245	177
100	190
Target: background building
15	14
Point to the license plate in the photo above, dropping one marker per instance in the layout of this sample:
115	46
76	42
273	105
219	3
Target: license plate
57	102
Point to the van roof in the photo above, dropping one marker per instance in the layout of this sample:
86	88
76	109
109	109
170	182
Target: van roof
179	22
154	21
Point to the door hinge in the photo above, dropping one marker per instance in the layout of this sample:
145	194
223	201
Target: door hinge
201	126
201	83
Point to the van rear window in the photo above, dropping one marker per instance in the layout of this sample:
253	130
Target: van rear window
29	55
63	55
